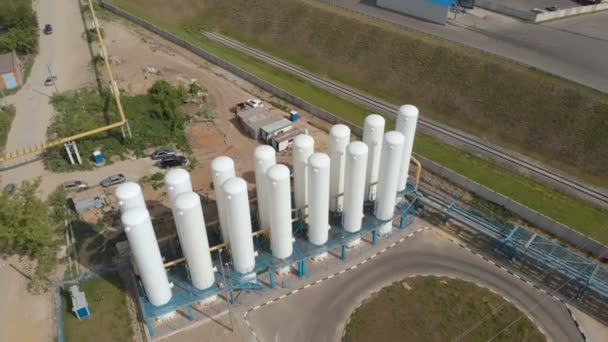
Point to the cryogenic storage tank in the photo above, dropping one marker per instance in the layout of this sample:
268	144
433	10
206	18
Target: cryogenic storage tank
303	147
129	196
177	182
339	137
406	125
192	233
237	211
318	205
265	157
222	169
280	215
373	132
390	167
354	186
146	254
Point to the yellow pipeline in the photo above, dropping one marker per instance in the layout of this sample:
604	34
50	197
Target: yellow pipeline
418	171
115	92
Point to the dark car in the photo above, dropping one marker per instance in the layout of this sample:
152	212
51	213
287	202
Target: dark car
162	153
173	161
118	178
50	81
10	189
48	29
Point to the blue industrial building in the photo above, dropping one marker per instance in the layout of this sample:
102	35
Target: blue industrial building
431	10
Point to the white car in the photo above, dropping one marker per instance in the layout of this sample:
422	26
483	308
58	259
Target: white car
254	103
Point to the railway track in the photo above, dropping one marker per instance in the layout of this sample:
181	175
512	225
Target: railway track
390	109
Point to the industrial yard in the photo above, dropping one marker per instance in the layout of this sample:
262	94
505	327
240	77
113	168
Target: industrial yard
216	206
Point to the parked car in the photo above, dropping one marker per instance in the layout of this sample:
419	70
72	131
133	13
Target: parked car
75	184
10	189
173	161
254	103
50	81
48	29
162	153
118	178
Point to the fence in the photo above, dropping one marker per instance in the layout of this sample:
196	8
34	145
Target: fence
552	227
555	228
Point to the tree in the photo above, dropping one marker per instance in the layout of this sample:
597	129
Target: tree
22	25
168	99
26	228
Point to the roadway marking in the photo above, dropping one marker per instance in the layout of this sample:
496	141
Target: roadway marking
531	284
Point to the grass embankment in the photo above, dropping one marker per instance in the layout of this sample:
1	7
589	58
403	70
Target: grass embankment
437	309
7	114
575	213
110	318
86	109
545	117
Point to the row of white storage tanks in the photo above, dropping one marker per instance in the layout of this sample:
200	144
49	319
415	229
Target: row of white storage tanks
340	181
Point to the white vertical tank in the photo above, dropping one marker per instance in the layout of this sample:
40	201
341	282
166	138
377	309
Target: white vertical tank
279	192
192	233
239	217
354	186
318	205
222	169
373	132
390	168
265	157
146	254
177	182
303	147
406	125
339	137
129	196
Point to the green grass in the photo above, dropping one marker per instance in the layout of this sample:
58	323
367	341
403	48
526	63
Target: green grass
86	109
459	86
110	318
566	209
437	309
7	114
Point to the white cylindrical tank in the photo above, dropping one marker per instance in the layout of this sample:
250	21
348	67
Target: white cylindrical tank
265	157
339	137
354	186
177	182
280	214
129	196
222	169
239	217
390	167
146	254
373	132
406	125
318	205
303	147
192	233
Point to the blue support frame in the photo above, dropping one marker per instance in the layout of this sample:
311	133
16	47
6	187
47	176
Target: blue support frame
150	328
272	280
190	316
343	256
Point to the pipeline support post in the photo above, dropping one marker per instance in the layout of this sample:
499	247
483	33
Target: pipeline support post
272	280
343	257
150	328
190	316
302	268
374	237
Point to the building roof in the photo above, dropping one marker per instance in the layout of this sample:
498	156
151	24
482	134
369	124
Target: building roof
277	125
88	194
78	298
291	134
7	63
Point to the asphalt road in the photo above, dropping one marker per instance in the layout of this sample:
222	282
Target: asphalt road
557	47
65	54
321	311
